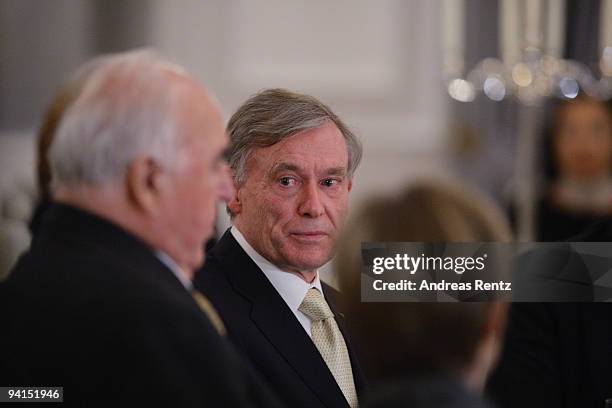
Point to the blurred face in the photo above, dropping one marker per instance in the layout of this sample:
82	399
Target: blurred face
583	140
199	181
295	198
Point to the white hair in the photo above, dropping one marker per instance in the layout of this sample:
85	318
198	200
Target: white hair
125	109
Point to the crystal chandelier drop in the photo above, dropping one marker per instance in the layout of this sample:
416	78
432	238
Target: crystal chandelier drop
530	67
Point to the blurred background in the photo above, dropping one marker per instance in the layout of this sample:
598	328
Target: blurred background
452	89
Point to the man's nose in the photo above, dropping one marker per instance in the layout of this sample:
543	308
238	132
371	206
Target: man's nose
310	201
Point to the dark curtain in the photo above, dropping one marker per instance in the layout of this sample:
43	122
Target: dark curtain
582	31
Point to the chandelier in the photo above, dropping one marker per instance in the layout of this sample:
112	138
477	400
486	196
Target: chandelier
530	67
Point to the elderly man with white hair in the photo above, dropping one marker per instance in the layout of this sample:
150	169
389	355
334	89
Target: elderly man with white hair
102	304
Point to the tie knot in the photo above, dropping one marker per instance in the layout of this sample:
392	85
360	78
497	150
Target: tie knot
314	306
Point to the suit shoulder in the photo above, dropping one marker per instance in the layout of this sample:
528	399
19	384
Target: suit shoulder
211	274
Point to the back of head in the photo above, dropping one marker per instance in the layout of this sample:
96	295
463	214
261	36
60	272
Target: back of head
409	338
123	109
141	147
434	211
62	100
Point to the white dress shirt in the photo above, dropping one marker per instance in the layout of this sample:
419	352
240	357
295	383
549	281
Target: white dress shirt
176	270
291	287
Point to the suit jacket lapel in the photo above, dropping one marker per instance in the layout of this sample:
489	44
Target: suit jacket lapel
277	322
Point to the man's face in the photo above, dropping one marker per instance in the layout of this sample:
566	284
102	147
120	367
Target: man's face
199	181
294	200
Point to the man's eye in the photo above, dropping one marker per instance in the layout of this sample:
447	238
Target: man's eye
330	182
287	181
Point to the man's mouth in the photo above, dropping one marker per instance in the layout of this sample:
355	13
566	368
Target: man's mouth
309	236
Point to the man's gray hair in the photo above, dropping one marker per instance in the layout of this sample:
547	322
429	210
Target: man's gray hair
272	115
125	109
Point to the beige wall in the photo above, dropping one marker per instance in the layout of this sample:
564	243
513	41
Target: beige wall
377	63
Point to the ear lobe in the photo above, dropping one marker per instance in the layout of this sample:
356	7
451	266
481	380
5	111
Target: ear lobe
144	184
235	204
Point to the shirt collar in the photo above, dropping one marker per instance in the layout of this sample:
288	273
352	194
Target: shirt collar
175	268
292	288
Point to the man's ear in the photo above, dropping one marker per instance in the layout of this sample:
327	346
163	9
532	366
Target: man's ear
350	185
235	203
144	184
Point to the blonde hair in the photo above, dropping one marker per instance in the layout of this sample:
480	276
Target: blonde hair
415	336
62	100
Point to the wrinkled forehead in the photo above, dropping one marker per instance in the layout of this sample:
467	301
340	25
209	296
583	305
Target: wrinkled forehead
322	149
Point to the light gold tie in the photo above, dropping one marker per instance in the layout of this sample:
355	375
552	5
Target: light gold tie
329	341
210	312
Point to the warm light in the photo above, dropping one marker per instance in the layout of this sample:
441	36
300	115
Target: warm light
605	64
461	90
521	74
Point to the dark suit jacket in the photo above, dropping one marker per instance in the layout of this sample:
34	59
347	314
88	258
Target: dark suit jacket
557	354
433	392
89	307
263	327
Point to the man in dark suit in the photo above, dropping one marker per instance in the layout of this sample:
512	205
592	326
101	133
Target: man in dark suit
102	304
293	160
559	354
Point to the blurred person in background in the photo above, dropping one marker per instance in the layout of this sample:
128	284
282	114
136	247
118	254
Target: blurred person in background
578	169
557	354
293	161
14	241
102	304
60	103
425	354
